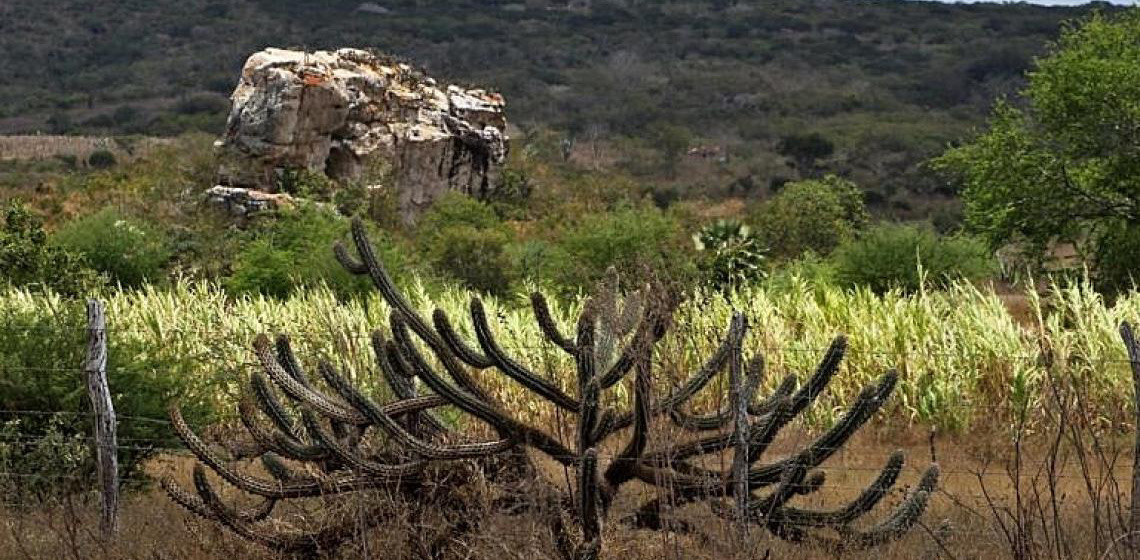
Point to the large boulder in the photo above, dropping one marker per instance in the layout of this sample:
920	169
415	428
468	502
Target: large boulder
345	112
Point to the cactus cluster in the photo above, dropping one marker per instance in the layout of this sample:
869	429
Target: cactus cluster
352	444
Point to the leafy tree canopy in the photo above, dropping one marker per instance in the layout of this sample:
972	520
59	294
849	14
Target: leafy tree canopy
1063	161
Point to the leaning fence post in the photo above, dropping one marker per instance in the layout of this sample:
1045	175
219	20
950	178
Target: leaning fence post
99	392
739	398
1134	359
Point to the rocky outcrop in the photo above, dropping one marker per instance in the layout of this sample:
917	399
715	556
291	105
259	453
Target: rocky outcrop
243	202
345	112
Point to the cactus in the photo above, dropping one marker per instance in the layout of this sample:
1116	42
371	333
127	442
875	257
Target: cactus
421	450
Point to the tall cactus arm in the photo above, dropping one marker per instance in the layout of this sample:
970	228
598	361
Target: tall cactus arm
455	343
546	323
198	507
353	460
589	390
650	330
822	376
378	417
476	406
513	369
864	503
588	507
696	382
720	419
302	487
621	470
869	401
893	526
288	359
268	403
783	391
329	407
398	379
277	441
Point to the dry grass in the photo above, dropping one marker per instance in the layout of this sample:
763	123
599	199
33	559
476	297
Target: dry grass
959	524
36	147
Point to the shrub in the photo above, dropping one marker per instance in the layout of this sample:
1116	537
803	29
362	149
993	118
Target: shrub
475	257
44	450
27	260
894	256
129	251
294	250
101	159
465	240
635	241
815	215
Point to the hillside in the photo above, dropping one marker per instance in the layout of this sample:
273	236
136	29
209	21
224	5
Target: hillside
634	84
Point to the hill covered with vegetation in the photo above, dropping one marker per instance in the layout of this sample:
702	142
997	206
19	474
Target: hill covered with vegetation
764	91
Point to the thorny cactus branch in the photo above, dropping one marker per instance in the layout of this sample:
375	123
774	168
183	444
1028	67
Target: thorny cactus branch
353	443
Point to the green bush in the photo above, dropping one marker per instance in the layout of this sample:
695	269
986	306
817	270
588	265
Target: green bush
891	256
475	257
295	249
464	240
129	251
815	215
45	421
638	242
27	260
101	159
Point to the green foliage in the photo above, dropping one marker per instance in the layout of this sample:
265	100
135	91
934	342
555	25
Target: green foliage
293	249
1064	165
26	258
303	183
1117	251
805	150
477	258
42	346
730	255
814	215
101	159
465	240
129	251
905	257
637	242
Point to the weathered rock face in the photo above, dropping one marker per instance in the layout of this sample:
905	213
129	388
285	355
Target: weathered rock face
340	112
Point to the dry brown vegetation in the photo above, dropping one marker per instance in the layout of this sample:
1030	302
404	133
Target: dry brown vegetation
959	524
36	147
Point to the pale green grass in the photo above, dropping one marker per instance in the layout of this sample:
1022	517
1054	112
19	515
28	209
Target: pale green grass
963	358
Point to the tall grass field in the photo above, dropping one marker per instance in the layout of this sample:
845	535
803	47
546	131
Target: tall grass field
965	359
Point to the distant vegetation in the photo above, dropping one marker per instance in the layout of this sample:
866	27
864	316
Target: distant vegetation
766	91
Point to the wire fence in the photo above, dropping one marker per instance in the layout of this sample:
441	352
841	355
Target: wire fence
975	469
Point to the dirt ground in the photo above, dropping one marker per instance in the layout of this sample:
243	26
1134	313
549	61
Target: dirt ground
974	514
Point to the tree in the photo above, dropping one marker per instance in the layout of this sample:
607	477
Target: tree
815	215
804	150
1063	163
27	260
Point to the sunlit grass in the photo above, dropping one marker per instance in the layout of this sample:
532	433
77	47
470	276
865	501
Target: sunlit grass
963	357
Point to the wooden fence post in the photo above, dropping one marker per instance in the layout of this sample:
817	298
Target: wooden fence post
104	418
739	398
1134	358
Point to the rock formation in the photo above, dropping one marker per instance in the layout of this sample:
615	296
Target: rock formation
344	112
